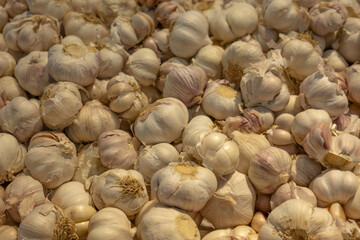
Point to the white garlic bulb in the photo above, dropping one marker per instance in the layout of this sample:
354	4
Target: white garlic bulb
153	158
73	62
296	219
12	157
10	88
110	223
352	208
8	232
167	12
334	59
349	40
4	17
144	66
304	169
31	33
221	101
51	158
85	6
353	83
189	34
209	59
233	202
70	194
191	186
93	119
348	123
80	215
269	169
242	231
98	91
165	69
31	72
21	117
108	10
159	43
94	185
186	84
117	149
161	121
7	64
22	195
51	8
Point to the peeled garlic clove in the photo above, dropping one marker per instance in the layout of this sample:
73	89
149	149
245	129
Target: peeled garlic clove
233	202
7	64
108	10
352	80
93	119
189	34
70	194
209	59
334	186
304	169
349	39
167	12
161	121
50	8
22	195
334	59
8	232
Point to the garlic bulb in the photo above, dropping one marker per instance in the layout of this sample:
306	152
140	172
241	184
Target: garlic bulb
80	214
108	10
186	84
209	59
238	56
234	21
161	121
221	101
125	96
3	46
334	59
8	232
85	6
159	43
60	103
51	8
31	72
269	169
155	157
165	69
110	223
305	120
320	91
22	195
47	221
296	219
333	186
352	80
189	34
94	185
98	91
144	66
285	16
11	88
70	194
117	149
51	158
233	202
191	186
293	107
129	32
240	232
264	34
167	12
7	64
304	169
73	62
161	222
349	39
345	152
4	17
21	117
218	153
349	123
352	208
93	119
31	33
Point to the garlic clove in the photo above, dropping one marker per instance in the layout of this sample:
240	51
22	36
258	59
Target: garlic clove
8	232
304	169
167	12
337	211
258	221
7	64
71	193
209	59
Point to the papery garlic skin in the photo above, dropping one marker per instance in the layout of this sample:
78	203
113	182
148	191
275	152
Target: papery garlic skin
264	34
153	158
353	82
161	121
209	59
70	194
108	10
93	119
192	186
110	223
348	123
233	202
165	69
22	195
117	149
304	169
334	59
51	158
349	39
7	64
295	219
21	117
189	34
269	169
345	151
50	8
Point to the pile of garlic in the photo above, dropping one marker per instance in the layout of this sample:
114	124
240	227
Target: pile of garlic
179	119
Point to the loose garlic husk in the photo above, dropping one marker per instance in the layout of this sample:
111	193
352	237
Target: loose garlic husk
161	121
221	101
352	80
186	84
80	215
350	39
334	59
47	221
209	59
155	157
240	232
167	12
189	34
93	119
7	64
129	32
73	62
108	10
117	149
51	8
144	66
31	72
12	157
8	232
70	194
296	219
159	43
304	169
233	202
31	33
98	91
21	117
333	186
304	121
10	87
51	158
269	169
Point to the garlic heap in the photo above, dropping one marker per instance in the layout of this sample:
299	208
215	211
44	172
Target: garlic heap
238	232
